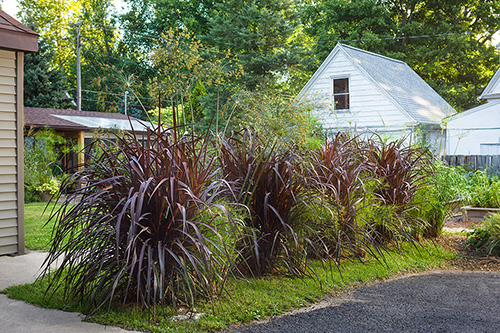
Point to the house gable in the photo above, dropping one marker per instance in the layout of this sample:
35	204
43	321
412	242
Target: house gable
492	90
386	93
371	107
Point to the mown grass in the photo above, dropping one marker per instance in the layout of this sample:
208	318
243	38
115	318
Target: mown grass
37	231
249	300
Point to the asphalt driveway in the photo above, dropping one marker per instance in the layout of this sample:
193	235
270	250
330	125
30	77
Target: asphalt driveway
435	302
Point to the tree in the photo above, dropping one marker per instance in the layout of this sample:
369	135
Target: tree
148	19
258	33
107	63
184	67
44	84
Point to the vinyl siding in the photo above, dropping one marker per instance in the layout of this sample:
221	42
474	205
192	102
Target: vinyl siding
9	232
467	131
369	107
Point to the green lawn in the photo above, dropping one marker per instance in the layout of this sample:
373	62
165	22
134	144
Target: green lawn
37	231
259	299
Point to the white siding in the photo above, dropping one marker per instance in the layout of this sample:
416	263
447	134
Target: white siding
466	133
369	106
8	148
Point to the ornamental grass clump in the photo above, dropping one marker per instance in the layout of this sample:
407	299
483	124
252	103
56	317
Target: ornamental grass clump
263	177
400	170
336	173
143	229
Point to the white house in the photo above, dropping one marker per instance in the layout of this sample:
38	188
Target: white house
354	88
477	131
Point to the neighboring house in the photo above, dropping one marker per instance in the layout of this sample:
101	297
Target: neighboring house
79	126
15	40
477	130
357	89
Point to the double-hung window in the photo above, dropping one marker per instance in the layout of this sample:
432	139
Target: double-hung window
341	94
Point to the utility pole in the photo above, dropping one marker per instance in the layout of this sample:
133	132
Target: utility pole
78	68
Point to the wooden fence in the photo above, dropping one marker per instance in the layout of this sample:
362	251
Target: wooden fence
476	162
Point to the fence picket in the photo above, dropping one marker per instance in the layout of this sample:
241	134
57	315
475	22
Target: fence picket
475	162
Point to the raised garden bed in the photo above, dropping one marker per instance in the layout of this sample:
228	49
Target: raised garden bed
477	214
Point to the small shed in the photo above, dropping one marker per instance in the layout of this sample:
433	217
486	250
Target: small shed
354	88
15	40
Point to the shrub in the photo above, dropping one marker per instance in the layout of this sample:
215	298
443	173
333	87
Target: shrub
400	170
486	190
51	187
488	237
41	155
262	177
450	186
144	227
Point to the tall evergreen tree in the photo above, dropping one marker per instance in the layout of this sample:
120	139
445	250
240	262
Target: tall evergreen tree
44	84
259	34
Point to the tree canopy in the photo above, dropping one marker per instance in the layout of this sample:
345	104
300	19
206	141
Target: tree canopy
276	44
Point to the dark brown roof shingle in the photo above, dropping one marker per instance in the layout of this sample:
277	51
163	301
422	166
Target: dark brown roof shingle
16	36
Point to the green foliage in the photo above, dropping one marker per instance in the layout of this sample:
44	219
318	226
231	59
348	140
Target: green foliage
41	153
450	187
44	84
486	190
184	67
487	238
276	118
51	187
258	33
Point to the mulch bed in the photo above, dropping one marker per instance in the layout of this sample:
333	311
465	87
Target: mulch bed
468	259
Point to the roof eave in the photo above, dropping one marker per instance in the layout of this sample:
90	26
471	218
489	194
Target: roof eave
24	39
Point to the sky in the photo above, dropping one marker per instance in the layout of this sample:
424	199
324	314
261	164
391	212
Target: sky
10	6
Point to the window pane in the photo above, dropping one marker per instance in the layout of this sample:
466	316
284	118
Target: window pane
341	102
340	86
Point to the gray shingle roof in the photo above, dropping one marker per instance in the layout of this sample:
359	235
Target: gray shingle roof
79	120
403	85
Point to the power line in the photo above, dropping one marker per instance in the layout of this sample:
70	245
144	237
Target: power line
157	38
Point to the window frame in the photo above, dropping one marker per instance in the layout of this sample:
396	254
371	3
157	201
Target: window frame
348	93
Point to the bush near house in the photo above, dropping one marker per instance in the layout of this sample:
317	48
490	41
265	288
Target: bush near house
167	220
42	173
487	237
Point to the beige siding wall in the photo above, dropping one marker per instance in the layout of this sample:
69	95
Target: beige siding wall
10	232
